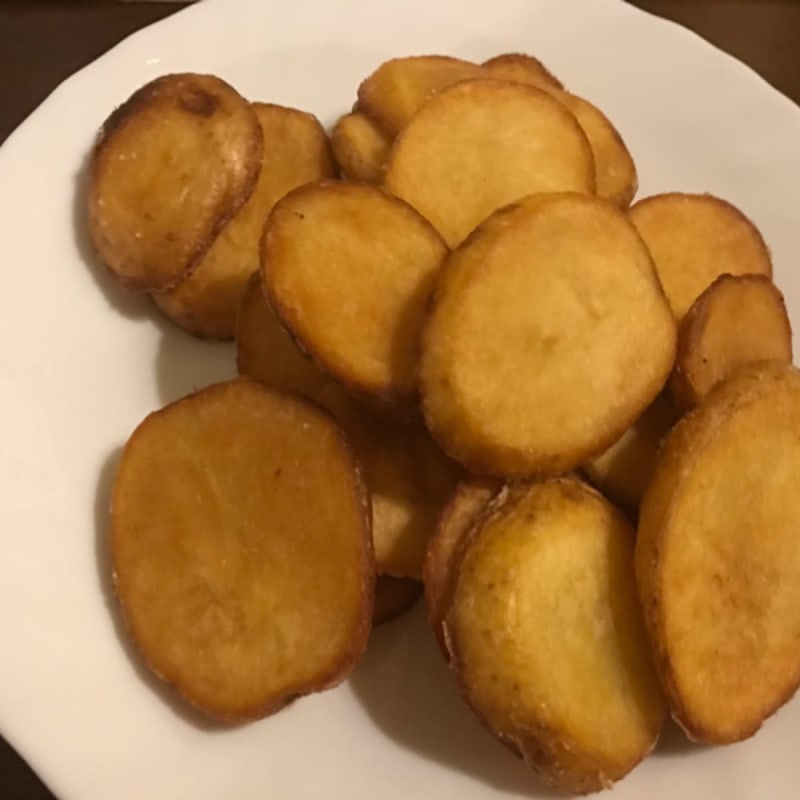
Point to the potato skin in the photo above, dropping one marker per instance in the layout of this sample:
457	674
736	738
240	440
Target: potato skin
360	147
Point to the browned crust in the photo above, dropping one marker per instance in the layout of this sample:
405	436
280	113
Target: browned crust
528	61
141	99
693	326
337	671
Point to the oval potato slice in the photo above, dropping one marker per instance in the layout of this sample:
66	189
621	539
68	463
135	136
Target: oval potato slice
399	87
240	544
522	68
738	320
717	557
348	269
296	151
531	360
623	471
393	597
170	167
481	145
547	636
695	238
360	147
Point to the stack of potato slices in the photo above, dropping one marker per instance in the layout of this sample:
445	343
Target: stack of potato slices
467	364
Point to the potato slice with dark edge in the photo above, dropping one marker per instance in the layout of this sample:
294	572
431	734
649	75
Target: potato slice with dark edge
240	545
623	471
547	636
531	361
481	145
360	147
170	167
348	269
296	152
717	557
523	69
463	510
399	87
408	476
738	320
393	597
695	238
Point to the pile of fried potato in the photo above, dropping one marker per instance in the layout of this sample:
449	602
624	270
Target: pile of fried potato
467	363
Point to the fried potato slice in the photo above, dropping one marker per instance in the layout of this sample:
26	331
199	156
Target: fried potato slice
481	145
623	471
170	167
348	269
296	151
393	597
522	68
531	360
738	320
399	87
360	147
547	636
240	544
463	510
695	238
717	557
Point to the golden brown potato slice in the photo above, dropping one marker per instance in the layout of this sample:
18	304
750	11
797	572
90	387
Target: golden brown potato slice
695	238
623	471
738	320
240	544
266	352
547	636
398	88
296	151
532	361
463	510
360	147
717	557
170	167
348	269
393	597
481	145
522	68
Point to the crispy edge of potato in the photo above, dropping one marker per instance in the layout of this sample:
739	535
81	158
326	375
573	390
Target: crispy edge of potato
393	597
360	147
693	432
510	66
338	671
684	382
113	125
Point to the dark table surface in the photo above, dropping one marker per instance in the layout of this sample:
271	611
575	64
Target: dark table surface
41	43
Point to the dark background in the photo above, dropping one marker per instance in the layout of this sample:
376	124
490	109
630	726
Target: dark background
41	43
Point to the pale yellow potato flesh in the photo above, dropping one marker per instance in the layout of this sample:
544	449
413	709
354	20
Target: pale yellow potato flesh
623	471
170	167
695	238
738	320
394	93
482	144
240	547
531	358
348	269
360	147
523	69
296	151
547	636
717	557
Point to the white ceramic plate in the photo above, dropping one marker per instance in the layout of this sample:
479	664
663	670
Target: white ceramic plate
82	363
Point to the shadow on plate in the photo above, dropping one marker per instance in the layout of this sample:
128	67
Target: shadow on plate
102	506
410	695
674	742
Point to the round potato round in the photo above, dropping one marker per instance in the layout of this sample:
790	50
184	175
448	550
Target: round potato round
360	147
348	269
547	636
738	320
531	358
481	145
717	557
695	238
296	151
240	544
523	69
171	166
